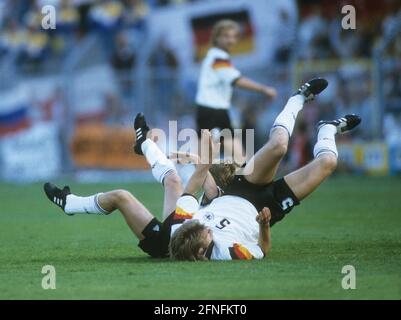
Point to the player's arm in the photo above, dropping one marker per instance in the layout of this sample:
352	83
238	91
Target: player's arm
210	187
263	219
198	178
248	84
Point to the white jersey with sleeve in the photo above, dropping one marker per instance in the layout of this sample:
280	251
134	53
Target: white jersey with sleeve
217	75
233	223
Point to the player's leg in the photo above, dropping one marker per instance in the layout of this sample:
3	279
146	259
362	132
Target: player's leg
163	169
135	214
173	189
305	180
262	168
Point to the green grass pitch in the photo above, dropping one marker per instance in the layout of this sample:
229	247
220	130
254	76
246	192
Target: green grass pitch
347	221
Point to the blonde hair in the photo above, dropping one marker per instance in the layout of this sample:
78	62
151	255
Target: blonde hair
186	242
222	25
223	173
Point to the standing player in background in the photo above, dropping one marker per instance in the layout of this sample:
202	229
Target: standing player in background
215	87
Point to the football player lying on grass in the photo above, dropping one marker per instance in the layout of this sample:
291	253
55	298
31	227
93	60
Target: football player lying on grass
230	227
154	235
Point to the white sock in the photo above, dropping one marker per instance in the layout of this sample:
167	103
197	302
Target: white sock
326	140
88	205
161	165
288	115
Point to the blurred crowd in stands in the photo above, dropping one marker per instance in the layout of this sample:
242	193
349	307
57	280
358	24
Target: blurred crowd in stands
116	22
122	23
121	27
321	37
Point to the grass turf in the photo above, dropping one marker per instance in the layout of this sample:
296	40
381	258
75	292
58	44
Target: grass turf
347	221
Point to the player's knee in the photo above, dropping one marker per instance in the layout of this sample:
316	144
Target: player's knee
328	162
121	195
172	180
279	145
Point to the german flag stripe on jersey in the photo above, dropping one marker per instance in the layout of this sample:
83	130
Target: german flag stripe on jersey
239	252
221	63
180	214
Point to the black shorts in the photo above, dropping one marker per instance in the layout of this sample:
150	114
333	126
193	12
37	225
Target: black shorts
277	196
157	237
210	118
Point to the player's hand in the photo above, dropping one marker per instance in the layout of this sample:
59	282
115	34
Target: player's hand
264	216
270	92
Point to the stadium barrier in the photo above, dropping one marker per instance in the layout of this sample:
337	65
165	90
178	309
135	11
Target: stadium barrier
372	158
95	146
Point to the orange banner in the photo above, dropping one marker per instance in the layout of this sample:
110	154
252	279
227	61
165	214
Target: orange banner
105	147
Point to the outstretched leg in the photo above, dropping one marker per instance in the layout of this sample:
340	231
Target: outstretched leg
134	212
305	180
263	166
